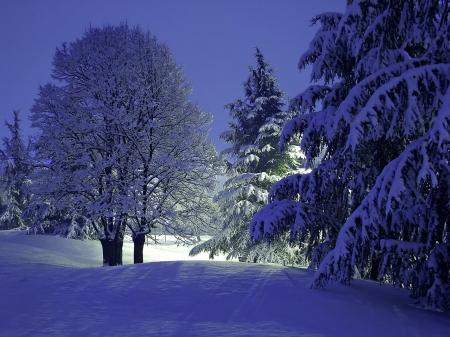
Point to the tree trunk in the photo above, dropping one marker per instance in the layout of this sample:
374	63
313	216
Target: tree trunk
139	241
113	257
375	268
116	251
112	252
119	252
106	249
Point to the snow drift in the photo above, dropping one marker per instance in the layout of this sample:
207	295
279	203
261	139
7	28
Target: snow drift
51	286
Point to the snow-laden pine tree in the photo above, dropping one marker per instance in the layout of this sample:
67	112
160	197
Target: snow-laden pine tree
120	144
378	202
254	164
14	178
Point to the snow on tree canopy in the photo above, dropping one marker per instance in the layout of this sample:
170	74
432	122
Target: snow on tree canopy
404	205
254	165
379	126
15	171
120	144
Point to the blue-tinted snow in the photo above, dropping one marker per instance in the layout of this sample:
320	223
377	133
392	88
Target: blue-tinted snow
50	286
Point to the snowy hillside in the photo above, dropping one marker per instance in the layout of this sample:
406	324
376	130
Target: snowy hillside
51	286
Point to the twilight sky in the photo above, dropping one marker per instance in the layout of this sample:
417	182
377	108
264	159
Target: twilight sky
214	40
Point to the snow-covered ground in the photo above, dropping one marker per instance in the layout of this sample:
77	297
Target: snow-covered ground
51	286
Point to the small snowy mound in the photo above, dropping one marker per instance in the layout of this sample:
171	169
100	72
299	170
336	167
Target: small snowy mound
50	286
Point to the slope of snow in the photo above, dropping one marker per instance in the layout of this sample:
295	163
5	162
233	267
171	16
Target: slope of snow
51	286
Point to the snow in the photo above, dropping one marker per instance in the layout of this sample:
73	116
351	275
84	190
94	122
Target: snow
50	286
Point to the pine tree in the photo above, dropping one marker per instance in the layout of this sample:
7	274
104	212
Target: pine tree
377	204
254	164
14	178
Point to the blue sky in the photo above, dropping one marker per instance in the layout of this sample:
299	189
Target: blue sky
214	40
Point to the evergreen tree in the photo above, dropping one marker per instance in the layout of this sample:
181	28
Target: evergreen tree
254	164
14	178
377	204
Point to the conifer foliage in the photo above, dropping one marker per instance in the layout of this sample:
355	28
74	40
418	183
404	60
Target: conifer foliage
254	164
14	178
377	205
